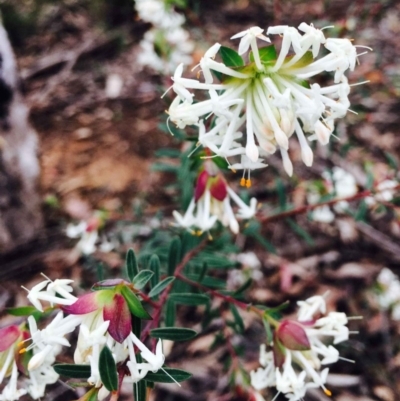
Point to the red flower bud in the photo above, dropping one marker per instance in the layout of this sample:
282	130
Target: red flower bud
218	188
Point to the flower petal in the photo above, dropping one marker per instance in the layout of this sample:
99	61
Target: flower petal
120	318
9	335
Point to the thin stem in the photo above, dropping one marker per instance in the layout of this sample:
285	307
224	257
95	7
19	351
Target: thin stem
163	298
217	294
307	208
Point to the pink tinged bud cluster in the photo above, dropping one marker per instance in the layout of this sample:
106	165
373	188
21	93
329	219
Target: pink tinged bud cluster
259	106
212	203
104	319
299	354
13	361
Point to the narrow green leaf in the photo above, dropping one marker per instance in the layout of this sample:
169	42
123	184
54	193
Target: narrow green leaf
202	272
170	313
22	311
243	287
164	375
161	286
190	299
230	57
174	255
173	333
268	331
300	231
140	391
141	279
392	161
237	318
73	371
154	266
131	264
108	370
362	210
134	304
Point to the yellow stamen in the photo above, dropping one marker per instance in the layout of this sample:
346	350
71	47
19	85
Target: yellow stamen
22	351
248	183
327	392
243	182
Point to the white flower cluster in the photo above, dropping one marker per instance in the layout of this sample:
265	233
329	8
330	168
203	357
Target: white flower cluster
301	370
340	183
167	44
93	336
89	238
389	292
269	99
212	203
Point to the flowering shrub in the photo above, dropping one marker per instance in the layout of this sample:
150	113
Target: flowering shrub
247	106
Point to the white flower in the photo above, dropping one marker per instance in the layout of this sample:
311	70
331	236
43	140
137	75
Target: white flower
167	44
87	234
311	306
10	391
301	370
389	292
258	107
62	287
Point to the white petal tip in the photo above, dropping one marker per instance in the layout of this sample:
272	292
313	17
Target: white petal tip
252	152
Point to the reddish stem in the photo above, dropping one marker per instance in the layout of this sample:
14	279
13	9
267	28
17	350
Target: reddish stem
307	208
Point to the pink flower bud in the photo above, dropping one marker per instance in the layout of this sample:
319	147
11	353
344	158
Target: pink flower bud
9	335
201	185
279	352
90	302
293	336
120	318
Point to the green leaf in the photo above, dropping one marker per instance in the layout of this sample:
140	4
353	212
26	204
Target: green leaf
230	57
304	61
392	161
108	370
268	331
22	311
202	272
300	231
237	318
72	370
131	264
173	333
174	255
134	304
189	299
362	210
161	286
267	55
243	287
141	279
170	314
154	266
164	375
140	391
